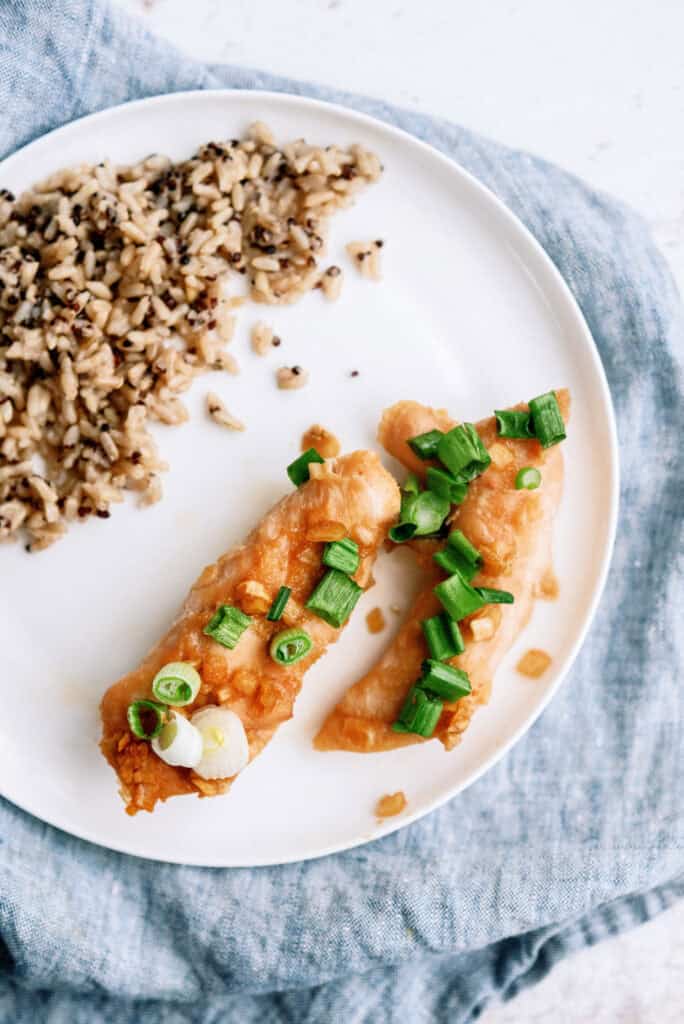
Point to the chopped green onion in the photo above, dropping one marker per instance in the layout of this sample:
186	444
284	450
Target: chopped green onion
459	556
145	709
342	555
408	501
444	680
440	643
177	684
278	607
547	420
420	713
452	561
421	515
513	423
402	532
444	483
290	646
456	635
490	596
334	598
462	452
460	543
429	512
298	471
411	484
458	598
425	445
179	743
227	625
528	479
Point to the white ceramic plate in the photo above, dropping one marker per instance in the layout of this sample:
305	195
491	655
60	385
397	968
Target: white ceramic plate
472	315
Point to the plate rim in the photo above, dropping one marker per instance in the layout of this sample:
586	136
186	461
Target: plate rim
554	276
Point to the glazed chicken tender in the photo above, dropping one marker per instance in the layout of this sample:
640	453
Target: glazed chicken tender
512	530
352	496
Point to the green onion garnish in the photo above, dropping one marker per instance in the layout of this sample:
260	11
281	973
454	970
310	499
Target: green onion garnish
459	556
462	452
402	532
420	713
406	526
429	512
444	483
443	637
458	598
142	711
342	555
455	634
278	607
177	683
444	680
439	642
298	471
408	500
421	515
547	420
458	541
290	646
490	596
425	445
334	598
451	561
411	484
513	423
527	479
227	625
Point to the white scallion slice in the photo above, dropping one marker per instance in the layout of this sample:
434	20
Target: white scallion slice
179	743
225	751
177	683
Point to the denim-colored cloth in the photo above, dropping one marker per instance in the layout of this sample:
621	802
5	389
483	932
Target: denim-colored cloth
576	835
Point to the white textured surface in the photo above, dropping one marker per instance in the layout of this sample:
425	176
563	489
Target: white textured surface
597	87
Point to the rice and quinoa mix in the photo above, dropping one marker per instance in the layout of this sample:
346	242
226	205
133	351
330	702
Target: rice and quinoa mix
114	296
366	258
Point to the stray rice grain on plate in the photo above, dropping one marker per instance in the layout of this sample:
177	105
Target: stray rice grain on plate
220	414
289	378
366	258
104	269
262	338
330	283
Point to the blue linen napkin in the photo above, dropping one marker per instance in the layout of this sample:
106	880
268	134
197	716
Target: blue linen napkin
576	835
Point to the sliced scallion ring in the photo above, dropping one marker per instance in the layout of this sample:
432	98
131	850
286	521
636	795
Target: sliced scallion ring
146	718
177	684
179	743
290	646
225	749
528	479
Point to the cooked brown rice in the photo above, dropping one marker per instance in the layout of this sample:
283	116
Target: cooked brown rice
291	378
330	283
113	296
220	414
262	337
366	258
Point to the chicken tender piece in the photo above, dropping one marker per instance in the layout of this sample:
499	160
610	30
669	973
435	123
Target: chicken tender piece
512	529
353	491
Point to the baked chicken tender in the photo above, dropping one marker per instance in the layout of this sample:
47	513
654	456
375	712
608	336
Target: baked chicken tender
512	529
354	492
